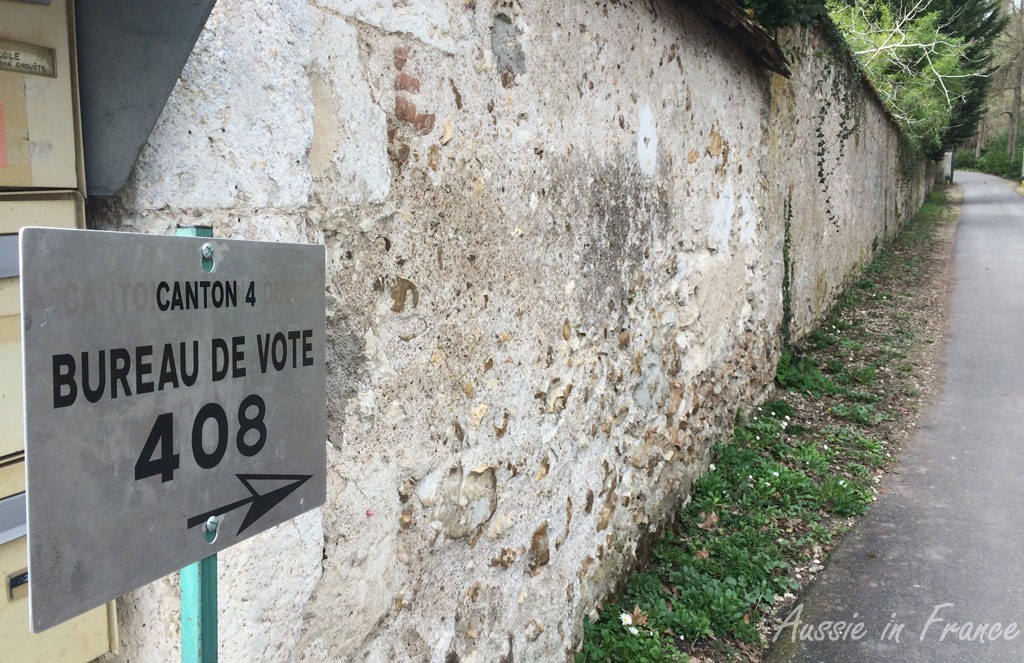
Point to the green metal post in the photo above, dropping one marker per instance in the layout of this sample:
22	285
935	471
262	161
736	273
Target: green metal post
199	580
199	611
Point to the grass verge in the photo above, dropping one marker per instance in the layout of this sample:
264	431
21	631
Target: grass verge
796	471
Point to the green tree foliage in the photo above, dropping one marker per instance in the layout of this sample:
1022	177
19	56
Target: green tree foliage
978	23
930	60
929	68
1007	82
995	160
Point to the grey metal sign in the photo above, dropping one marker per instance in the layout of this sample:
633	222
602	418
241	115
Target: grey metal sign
168	380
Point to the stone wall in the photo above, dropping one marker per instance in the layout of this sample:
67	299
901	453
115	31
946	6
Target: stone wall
556	240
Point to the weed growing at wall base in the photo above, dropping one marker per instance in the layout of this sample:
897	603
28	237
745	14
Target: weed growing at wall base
718	571
768	510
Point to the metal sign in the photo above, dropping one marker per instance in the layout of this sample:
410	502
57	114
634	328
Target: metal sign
168	380
28	58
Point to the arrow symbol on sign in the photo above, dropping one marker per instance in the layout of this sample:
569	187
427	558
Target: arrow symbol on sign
259	503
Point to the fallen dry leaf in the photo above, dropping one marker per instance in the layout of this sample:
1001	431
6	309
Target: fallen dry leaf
710	520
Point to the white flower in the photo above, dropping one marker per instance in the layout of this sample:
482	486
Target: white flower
825	447
842	482
634	630
626	618
757	437
711	467
775	474
750	477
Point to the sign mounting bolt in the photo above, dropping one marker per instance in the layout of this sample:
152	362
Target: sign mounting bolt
207	251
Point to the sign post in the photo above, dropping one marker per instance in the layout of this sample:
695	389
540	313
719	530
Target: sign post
174	389
198	581
199	611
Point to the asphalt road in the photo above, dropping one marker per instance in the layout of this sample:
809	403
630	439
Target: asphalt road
940	556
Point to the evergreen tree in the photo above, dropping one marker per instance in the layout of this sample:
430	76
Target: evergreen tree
931	60
964	33
978	23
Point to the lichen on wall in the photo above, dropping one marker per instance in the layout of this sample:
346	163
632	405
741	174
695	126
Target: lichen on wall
555	244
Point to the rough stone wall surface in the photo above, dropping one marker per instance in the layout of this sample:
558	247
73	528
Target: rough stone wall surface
838	194
555	239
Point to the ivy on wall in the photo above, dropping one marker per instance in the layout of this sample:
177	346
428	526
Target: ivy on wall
774	14
841	78
840	75
787	269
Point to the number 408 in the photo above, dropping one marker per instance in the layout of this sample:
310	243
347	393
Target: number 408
161	438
